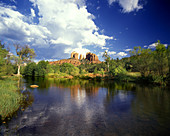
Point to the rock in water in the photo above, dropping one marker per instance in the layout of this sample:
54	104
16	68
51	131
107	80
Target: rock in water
34	86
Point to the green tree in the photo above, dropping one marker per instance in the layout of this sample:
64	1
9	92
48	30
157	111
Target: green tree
41	68
69	69
30	69
24	54
107	59
116	68
160	59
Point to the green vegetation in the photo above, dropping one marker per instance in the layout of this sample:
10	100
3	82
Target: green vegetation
10	97
152	64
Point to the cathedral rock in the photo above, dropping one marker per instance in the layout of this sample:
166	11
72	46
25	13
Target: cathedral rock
89	56
75	59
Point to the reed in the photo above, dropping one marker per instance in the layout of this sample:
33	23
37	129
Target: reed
10	97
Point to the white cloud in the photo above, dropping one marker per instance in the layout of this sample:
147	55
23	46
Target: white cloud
105	48
152	46
32	13
13	26
121	54
98	8
127	5
13	1
65	22
128	50
111	52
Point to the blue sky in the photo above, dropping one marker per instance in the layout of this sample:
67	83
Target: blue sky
55	28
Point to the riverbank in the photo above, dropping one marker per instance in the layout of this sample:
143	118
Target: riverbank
124	77
10	97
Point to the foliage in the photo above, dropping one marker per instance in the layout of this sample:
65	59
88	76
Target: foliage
69	69
41	68
116	68
30	69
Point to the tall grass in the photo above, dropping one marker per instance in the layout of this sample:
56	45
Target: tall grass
10	98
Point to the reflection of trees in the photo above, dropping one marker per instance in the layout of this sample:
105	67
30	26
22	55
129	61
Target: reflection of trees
115	87
152	102
77	87
28	96
28	99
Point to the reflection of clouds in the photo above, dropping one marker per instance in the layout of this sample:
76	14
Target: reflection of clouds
29	117
81	97
122	96
59	110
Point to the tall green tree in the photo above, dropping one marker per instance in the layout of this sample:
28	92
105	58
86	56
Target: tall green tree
107	59
160	59
24	54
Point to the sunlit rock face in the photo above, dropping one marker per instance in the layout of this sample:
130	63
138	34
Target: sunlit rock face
74	55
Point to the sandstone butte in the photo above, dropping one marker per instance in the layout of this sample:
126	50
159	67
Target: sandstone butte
77	60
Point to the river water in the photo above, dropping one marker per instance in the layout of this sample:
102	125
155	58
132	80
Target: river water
90	108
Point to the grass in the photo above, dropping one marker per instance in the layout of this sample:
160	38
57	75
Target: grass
134	74
59	75
10	98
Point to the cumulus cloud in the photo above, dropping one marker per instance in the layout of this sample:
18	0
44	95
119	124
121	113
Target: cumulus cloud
62	24
13	26
121	54
127	5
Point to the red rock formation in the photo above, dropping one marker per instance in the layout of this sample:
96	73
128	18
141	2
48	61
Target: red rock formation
91	57
76	62
74	55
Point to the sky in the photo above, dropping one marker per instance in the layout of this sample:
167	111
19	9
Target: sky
55	28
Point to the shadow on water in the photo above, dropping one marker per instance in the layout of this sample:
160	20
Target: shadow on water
88	107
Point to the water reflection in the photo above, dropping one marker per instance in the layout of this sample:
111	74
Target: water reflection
86	107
